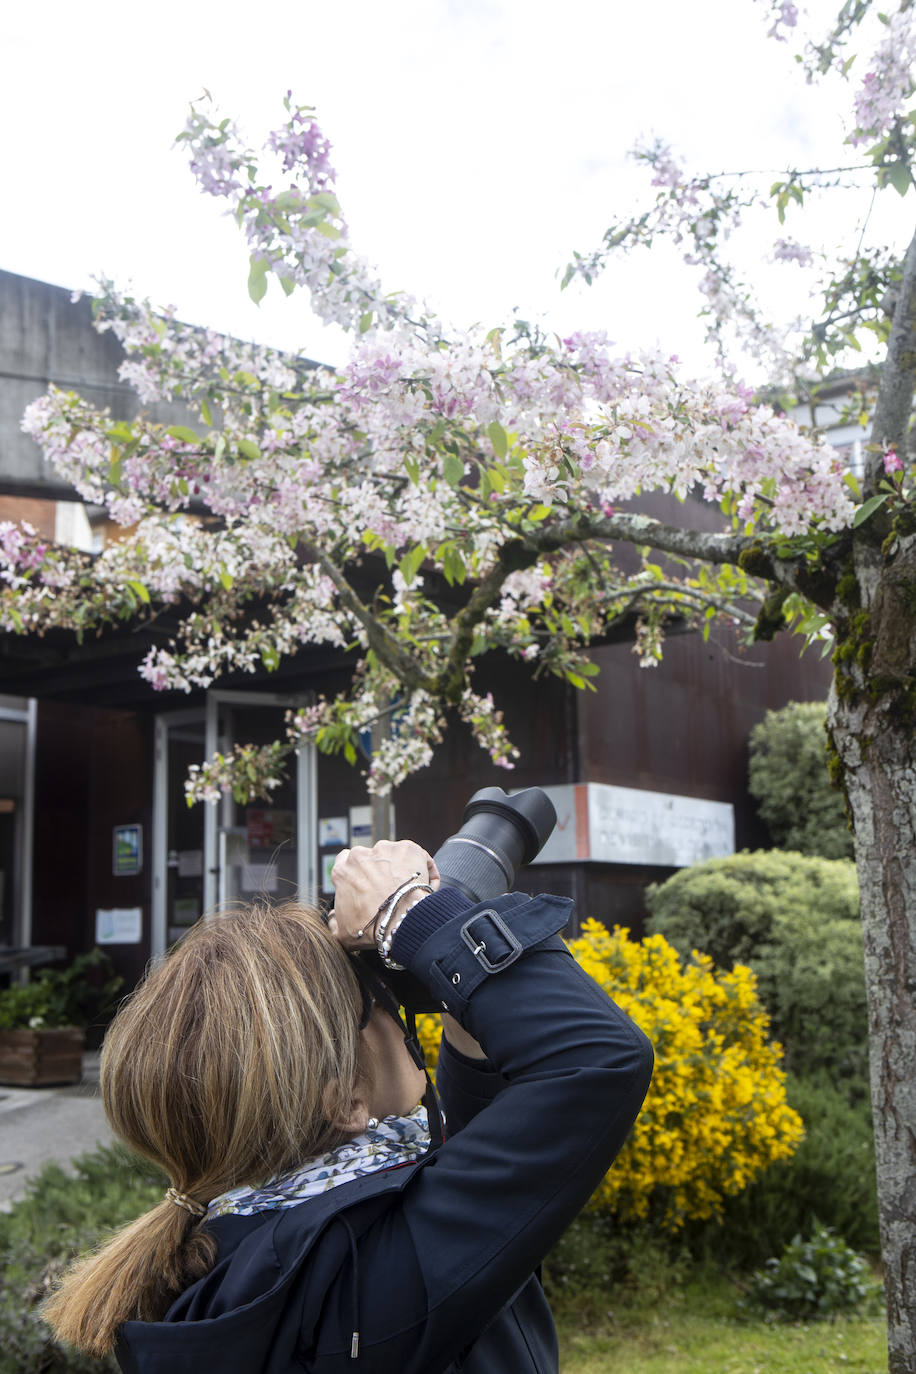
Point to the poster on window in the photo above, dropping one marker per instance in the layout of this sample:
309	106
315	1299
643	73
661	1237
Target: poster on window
127	850
268	829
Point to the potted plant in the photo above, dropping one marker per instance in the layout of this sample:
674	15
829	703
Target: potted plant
43	1022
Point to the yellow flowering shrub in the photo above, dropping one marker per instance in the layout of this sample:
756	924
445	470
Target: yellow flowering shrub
716	1112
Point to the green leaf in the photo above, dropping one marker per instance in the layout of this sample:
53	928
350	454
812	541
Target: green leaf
409	565
898	174
324	200
538	512
867	509
852	482
349	752
248	449
257	279
330	231
497	437
365	322
139	590
288	285
120	432
206	416
412	468
219	447
227	579
187	436
452	469
453	566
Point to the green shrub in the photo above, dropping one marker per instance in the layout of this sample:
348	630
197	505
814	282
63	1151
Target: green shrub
598	1255
62	1215
795	921
74	996
812	1278
830	1177
788	777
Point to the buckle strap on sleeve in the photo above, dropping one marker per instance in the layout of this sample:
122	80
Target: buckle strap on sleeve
491	941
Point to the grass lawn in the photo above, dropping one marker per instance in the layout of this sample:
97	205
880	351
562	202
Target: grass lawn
698	1331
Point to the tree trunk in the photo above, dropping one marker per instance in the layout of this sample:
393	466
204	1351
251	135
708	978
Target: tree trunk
872	717
382	808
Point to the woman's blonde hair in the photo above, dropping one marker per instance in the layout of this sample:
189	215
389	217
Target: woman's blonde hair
235	1059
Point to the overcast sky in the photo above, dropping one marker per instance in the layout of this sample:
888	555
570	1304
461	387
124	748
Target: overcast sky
477	144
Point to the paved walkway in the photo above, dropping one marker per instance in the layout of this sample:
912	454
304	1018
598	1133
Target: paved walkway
38	1124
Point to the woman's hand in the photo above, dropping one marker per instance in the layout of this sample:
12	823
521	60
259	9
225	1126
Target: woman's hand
363	878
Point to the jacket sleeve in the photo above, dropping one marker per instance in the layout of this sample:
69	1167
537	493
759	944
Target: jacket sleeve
472	1223
465	1086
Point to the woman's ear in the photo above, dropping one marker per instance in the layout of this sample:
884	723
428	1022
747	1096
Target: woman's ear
351	1118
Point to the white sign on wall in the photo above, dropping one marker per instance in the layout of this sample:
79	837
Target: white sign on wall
118	925
599	823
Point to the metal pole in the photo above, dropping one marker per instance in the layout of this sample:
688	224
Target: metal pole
28	823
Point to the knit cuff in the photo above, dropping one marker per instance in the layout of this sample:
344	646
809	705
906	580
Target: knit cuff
421	920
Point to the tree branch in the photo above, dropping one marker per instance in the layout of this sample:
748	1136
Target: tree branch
381	641
643	529
512	557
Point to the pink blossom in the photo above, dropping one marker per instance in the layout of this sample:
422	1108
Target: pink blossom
892	461
786	14
787	250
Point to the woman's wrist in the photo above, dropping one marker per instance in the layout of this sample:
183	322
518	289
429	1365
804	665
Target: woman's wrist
392	913
405	904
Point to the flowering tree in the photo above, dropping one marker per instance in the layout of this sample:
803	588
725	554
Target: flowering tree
311	505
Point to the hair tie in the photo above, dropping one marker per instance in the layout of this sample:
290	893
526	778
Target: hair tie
197	1209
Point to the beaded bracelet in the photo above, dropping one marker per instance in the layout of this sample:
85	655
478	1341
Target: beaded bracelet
384	936
387	905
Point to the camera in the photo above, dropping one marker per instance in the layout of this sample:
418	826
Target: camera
499	834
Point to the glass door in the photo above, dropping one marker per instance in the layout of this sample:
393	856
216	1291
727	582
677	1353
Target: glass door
210	856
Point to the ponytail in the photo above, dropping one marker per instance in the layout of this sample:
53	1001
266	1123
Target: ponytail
235	1060
134	1277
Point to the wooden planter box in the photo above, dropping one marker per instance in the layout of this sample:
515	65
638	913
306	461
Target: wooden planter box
36	1058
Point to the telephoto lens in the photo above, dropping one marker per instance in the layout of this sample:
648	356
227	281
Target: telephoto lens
499	834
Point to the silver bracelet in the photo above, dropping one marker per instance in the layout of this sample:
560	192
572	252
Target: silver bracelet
384	909
383	938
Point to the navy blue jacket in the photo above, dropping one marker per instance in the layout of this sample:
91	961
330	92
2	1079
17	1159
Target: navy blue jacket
432	1264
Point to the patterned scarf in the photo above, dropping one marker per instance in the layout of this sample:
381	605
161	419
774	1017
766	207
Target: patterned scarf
396	1140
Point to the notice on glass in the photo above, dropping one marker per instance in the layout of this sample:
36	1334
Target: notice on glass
333	832
118	925
259	877
360	826
190	863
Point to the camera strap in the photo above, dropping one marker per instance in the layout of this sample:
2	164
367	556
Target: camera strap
375	989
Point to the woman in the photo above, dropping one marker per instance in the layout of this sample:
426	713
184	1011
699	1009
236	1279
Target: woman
309	1225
